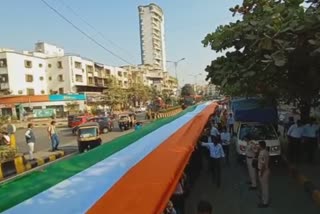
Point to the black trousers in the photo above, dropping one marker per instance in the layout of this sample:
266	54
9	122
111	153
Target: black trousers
226	149
216	170
294	149
231	129
178	203
310	148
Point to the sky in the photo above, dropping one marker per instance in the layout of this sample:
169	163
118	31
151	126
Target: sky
116	26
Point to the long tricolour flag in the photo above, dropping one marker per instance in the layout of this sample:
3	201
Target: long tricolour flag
142	170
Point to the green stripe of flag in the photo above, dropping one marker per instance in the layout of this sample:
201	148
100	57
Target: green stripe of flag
25	187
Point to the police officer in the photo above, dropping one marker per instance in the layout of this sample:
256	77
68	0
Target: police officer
251	151
263	172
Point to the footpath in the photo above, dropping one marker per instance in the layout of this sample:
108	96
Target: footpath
306	174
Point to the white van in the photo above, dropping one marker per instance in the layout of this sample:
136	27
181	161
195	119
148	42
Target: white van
258	132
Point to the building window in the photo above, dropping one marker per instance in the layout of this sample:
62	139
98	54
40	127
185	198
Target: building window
49	65
59	64
105	82
30	91
3	63
40	65
108	72
51	91
77	64
42	91
119	73
27	64
41	78
61	91
125	74
60	78
20	92
79	78
120	83
50	78
90	80
29	78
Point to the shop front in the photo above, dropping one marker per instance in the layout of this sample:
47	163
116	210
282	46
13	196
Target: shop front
21	107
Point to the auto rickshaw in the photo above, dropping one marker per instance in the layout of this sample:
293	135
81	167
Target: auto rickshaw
124	122
88	136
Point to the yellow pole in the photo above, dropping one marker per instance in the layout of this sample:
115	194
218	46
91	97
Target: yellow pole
13	143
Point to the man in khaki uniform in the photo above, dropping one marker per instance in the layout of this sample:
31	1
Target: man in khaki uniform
251	151
263	167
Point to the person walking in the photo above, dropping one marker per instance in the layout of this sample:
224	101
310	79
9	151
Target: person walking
310	133
294	135
216	154
225	140
251	151
230	122
53	136
30	140
263	168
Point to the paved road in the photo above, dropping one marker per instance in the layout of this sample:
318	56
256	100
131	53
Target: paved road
67	140
287	196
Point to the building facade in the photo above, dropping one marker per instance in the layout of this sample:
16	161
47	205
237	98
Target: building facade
152	36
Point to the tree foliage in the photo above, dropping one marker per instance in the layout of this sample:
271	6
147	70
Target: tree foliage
115	95
138	93
187	90
273	51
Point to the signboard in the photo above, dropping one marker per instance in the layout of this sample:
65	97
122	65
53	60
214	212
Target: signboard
66	97
43	113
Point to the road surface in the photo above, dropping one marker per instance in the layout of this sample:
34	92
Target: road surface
287	196
67	139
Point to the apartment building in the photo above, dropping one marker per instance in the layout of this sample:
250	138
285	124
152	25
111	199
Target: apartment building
22	73
151	76
152	36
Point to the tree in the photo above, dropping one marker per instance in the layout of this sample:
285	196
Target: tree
115	95
138	92
187	90
273	52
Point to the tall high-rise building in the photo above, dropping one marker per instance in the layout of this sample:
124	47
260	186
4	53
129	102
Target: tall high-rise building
152	36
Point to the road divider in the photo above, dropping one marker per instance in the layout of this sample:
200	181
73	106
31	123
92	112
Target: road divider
20	165
168	113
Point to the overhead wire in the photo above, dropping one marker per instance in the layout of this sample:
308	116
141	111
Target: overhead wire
84	33
95	29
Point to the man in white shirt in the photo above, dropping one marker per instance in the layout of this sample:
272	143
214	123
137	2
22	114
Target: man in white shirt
294	146
310	133
216	154
214	132
225	140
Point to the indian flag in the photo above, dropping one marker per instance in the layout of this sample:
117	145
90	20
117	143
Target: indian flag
143	167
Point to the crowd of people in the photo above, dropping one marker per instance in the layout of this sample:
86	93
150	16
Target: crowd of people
214	148
302	140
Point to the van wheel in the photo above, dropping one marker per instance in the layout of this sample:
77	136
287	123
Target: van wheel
105	130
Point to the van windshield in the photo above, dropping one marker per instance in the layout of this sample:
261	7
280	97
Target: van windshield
258	132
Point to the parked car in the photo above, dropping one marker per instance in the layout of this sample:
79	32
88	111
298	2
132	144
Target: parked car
77	121
105	123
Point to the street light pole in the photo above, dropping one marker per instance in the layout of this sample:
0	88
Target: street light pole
175	63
